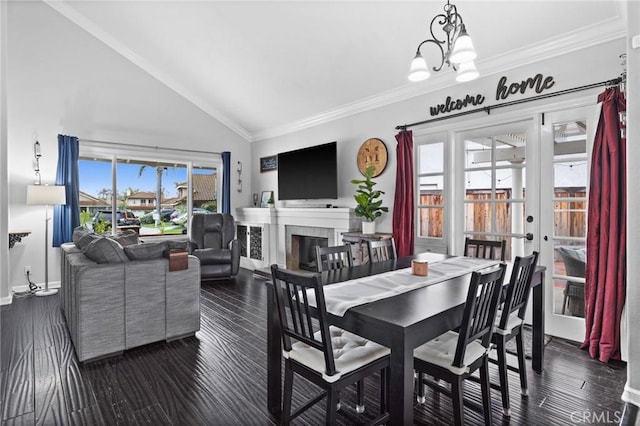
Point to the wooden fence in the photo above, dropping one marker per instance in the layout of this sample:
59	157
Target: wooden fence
569	216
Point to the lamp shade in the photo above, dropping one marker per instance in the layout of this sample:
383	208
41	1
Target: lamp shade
46	194
418	70
463	50
467	71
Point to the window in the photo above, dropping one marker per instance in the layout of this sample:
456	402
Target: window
153	190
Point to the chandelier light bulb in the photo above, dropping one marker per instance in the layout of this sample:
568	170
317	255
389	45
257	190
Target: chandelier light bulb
467	71
463	50
419	70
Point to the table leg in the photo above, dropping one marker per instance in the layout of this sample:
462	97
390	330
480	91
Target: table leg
537	350
274	352
401	384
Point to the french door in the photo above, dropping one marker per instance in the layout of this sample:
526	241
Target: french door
499	198
566	142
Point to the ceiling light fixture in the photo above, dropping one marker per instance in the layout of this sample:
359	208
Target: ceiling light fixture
459	52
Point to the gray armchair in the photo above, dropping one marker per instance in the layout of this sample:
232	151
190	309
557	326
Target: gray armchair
213	242
574	262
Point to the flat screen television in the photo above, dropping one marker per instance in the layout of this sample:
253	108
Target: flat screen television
308	173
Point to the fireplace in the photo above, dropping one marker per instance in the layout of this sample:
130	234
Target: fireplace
305	248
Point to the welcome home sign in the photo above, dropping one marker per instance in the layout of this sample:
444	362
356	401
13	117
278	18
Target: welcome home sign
538	83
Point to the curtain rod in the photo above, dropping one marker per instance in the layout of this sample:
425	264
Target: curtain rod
149	146
488	109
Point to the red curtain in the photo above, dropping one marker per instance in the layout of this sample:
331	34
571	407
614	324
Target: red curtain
403	201
606	233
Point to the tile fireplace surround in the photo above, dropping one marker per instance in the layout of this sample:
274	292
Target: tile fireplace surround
280	224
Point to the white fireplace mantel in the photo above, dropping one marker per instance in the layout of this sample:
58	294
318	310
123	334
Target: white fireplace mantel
275	222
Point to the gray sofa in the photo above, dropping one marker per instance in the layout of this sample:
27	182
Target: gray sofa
116	304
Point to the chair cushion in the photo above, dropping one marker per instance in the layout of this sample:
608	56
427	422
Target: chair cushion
350	352
105	250
441	350
211	256
146	251
513	322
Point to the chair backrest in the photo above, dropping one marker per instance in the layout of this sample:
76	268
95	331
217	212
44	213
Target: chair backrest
336	257
212	230
574	261
479	310
295	312
485	249
518	288
381	250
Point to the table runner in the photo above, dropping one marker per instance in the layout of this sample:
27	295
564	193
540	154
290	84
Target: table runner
341	296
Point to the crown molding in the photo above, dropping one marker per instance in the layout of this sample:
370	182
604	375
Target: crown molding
593	35
92	28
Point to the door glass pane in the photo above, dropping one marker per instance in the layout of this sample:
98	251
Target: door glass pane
431	190
431	158
430	222
570	177
478	217
478	153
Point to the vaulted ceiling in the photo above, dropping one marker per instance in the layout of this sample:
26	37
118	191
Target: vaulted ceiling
266	68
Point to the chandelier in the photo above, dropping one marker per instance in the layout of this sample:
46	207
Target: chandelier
459	52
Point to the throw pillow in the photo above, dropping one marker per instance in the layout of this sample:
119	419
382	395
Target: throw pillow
127	238
105	250
85	240
78	233
146	251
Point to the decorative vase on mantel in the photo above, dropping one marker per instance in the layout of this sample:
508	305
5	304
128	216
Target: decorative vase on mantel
368	227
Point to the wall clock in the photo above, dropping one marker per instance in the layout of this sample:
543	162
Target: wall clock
372	152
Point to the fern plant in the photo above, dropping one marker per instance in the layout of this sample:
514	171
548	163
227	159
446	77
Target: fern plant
369	206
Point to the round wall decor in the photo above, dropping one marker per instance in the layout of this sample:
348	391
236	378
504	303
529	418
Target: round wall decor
372	152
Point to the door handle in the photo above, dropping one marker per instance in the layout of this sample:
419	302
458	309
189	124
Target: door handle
528	236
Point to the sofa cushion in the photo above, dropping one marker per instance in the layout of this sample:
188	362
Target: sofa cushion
105	250
127	238
212	256
79	232
146	251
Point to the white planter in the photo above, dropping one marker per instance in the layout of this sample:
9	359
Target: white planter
368	227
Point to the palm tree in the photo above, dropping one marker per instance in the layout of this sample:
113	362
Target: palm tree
159	171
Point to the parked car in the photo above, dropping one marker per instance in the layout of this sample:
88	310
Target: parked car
182	219
165	216
123	217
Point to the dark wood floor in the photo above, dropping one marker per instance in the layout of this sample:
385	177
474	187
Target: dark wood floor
218	377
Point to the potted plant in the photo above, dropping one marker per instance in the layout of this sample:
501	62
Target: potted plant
369	206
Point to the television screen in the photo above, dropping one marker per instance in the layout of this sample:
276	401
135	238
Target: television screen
308	173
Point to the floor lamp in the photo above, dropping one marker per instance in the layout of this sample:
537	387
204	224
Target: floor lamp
46	195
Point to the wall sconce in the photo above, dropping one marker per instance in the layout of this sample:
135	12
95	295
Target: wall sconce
36	164
239	169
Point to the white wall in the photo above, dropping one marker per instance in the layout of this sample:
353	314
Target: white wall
62	80
597	64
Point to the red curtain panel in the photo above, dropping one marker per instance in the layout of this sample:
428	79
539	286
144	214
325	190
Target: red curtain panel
606	233
403	210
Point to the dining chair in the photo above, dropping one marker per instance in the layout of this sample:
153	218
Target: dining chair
509	323
338	257
335	257
485	249
454	356
327	356
381	250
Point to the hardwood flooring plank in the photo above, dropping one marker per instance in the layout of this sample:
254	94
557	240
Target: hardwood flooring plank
218	377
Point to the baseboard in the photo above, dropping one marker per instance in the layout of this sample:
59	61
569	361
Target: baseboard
23	288
6	300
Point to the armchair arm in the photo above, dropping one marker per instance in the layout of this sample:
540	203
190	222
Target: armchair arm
234	246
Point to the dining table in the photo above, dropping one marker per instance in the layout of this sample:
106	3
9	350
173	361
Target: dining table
400	322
